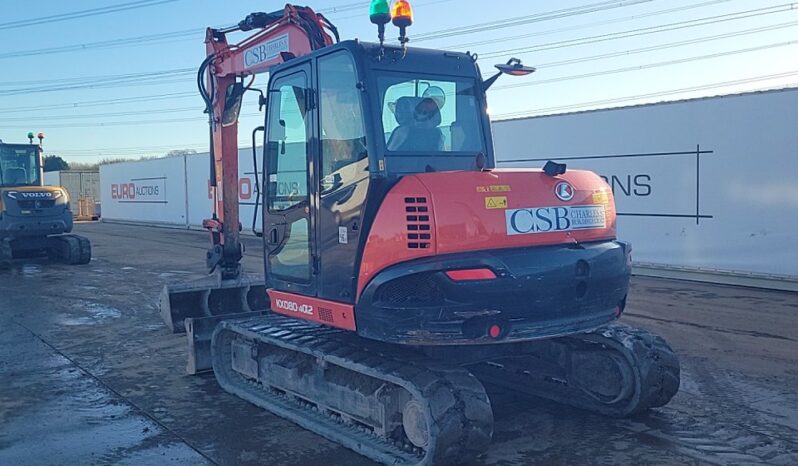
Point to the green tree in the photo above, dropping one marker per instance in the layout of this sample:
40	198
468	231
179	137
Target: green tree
54	163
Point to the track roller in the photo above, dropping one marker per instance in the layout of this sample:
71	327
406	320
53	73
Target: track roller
392	405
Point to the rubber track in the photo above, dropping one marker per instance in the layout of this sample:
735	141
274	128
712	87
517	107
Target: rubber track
459	414
654	366
72	249
6	253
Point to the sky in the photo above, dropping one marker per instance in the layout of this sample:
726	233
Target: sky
122	83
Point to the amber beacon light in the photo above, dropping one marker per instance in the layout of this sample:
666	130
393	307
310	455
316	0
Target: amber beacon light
402	17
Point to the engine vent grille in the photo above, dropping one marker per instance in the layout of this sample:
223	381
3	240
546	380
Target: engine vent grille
326	314
36	204
419	232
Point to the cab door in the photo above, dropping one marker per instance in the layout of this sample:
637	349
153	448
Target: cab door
289	220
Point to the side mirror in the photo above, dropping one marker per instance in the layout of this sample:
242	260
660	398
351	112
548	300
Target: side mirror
513	67
232	103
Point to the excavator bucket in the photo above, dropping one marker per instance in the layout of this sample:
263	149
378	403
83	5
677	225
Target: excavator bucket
211	297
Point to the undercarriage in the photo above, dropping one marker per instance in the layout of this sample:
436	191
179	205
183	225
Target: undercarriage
409	406
69	249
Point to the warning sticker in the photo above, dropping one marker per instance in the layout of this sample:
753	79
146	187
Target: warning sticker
601	197
496	202
494	188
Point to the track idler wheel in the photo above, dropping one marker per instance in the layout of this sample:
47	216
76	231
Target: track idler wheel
615	370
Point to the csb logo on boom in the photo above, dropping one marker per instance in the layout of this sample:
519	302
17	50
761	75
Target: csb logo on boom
293	306
267	51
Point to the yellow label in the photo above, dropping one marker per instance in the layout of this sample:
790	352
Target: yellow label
381	165
601	197
496	188
496	202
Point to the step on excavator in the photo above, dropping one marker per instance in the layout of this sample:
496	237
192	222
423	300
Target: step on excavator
403	270
34	219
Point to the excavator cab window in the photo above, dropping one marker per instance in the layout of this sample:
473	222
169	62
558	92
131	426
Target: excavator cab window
287	168
430	115
19	165
344	156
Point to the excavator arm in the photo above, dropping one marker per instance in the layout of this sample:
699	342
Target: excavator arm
225	75
280	36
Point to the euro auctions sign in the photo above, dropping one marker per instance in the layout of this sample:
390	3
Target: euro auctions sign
141	190
551	219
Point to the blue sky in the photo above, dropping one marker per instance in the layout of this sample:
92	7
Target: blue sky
621	53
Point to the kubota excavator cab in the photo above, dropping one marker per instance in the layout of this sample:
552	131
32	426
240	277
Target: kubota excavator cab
384	213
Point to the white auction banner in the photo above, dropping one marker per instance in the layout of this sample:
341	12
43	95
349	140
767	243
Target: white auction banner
146	191
174	190
708	184
200	200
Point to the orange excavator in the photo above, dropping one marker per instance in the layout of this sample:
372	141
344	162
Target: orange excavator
403	270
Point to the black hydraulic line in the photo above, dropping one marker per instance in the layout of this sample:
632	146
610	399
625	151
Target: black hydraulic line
208	99
330	26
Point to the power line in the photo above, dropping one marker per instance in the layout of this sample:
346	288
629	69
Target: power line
82	14
649	65
129	41
539	66
509	86
665	46
522	20
643	31
104	102
548	110
589	25
150	38
197	108
161	37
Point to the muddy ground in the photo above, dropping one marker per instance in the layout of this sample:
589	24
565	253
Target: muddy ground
89	375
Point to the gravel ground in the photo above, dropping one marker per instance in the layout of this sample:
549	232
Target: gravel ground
89	375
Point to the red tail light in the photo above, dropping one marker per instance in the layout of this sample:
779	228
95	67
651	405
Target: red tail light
465	275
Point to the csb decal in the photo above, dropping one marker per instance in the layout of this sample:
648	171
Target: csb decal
266	51
553	219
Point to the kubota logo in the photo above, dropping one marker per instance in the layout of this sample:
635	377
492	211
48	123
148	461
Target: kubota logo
564	191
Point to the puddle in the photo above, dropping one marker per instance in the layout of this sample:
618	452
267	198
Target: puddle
97	314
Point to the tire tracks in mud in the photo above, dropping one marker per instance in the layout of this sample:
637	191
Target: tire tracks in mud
747	333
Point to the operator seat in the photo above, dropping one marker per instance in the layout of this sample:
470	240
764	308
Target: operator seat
418	130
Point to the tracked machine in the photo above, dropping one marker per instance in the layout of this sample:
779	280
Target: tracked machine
403	270
34	219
